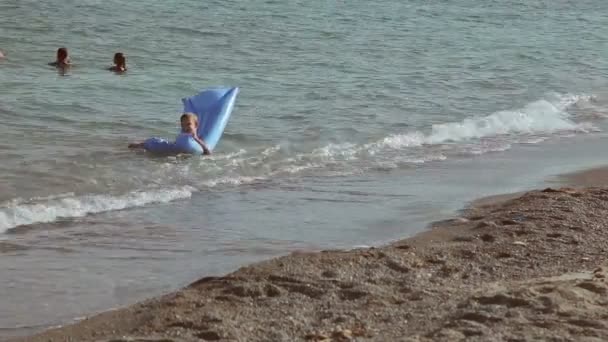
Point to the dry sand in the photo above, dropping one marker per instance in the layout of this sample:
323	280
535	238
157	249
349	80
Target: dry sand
527	268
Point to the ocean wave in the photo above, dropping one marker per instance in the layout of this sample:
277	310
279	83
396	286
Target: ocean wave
496	132
538	117
41	210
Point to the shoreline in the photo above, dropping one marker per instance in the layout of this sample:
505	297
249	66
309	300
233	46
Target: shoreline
508	267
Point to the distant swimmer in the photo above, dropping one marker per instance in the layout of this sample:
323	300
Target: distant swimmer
1	54
63	60
120	63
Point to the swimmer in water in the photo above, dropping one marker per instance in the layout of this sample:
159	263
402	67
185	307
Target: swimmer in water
120	63
63	60
189	123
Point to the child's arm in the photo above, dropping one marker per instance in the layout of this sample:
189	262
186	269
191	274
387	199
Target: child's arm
136	145
201	142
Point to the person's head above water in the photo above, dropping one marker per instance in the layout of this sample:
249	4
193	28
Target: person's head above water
62	55
189	122
62	60
120	62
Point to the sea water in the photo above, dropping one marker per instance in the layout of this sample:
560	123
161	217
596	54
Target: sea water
357	123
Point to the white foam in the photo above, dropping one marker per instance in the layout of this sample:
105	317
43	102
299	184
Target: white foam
537	117
298	168
55	207
496	132
228	156
567	100
232	181
478	150
17	201
345	150
271	150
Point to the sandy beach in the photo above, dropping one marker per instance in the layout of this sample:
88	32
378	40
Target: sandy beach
516	268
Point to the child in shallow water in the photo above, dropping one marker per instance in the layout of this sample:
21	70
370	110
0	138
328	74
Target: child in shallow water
189	123
62	60
120	63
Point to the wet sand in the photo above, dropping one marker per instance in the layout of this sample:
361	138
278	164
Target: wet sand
593	177
526	267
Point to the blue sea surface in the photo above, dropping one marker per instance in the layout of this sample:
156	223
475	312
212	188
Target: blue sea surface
357	123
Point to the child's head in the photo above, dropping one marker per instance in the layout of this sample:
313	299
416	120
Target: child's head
120	59
62	54
189	122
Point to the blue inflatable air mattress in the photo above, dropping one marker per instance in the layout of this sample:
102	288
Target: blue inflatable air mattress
213	108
